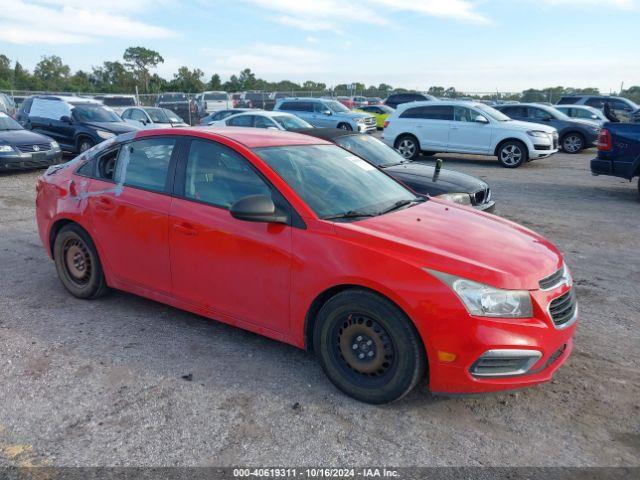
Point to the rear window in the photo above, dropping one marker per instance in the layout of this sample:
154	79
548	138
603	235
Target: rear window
568	100
173	97
119	102
215	96
254	96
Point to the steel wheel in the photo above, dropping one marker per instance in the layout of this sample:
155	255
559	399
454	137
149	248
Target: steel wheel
511	155
364	346
572	143
407	148
85	145
77	261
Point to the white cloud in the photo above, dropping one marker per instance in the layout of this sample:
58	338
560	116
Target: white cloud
72	21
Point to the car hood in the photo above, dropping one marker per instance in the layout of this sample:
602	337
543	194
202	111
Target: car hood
115	127
354	115
524	126
460	241
422	179
18	137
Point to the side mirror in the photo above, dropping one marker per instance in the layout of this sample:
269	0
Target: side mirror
480	119
327	112
66	119
257	208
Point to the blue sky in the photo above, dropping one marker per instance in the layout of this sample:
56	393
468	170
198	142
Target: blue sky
473	45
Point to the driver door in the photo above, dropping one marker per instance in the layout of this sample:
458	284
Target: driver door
467	135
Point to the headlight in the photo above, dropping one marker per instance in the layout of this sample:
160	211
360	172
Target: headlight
359	120
460	198
538	133
104	134
6	148
485	301
54	145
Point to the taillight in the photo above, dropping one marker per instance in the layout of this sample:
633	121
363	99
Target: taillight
604	140
386	124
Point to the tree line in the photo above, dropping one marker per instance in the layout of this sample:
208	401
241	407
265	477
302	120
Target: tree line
137	65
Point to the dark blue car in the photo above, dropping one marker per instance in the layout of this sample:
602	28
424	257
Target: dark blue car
618	151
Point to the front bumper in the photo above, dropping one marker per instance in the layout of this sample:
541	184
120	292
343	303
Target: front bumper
365	128
536	153
22	161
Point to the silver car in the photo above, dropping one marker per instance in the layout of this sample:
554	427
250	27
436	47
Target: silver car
583	112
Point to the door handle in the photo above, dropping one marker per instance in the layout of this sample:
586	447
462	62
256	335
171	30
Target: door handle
185	229
105	203
454	128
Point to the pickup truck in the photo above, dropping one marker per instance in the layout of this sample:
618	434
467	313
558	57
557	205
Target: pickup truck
618	151
180	104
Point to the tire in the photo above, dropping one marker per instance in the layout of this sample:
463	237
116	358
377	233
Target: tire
512	154
573	143
85	144
368	348
345	126
78	264
408	146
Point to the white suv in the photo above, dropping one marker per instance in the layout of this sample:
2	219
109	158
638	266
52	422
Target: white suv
466	127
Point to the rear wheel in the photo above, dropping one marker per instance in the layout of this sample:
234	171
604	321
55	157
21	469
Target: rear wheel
572	143
408	146
368	348
513	154
77	263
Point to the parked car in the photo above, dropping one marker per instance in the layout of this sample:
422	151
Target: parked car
380	113
181	104
7	105
359	101
466	127
583	112
424	179
374	101
575	134
347	102
76	123
618	151
211	102
117	103
222	114
264	119
327	113
152	117
293	238
623	108
20	148
396	99
255	100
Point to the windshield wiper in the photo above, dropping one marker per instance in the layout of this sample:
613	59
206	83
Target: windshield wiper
398	205
349	214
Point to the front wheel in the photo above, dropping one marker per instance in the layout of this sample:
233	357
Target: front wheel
85	144
408	147
368	348
345	126
572	143
513	154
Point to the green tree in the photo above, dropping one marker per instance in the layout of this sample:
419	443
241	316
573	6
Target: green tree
436	91
113	77
533	95
52	72
140	60
189	81
247	79
80	82
215	83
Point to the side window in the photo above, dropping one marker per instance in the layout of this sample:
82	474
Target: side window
515	112
595	102
106	166
289	106
538	114
145	163
619	105
241	121
568	100
219	176
463	114
305	106
319	107
138	115
126	115
262	122
434	112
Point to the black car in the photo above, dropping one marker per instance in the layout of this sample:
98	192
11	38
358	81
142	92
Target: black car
20	148
423	179
179	103
396	99
222	114
575	135
76	123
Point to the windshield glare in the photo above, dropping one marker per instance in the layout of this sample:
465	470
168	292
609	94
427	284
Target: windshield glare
291	123
371	149
163	115
492	112
94	113
332	181
8	123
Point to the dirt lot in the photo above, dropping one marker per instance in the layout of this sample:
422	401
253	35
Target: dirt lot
100	383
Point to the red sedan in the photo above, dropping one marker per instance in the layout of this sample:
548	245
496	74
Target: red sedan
297	239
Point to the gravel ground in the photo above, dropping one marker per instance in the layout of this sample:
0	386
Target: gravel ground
102	383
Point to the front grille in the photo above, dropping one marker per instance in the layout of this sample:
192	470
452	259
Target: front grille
553	280
31	147
481	196
370	121
563	308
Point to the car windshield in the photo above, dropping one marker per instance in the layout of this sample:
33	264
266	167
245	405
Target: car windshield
334	183
163	115
8	123
371	149
215	96
291	122
492	112
385	109
337	107
90	112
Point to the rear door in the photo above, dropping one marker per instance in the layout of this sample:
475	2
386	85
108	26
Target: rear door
516	112
129	205
240	271
467	135
430	124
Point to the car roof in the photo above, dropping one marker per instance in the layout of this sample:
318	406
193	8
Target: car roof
439	103
68	99
249	137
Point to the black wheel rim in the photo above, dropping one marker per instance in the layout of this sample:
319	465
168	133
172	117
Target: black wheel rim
363	348
77	261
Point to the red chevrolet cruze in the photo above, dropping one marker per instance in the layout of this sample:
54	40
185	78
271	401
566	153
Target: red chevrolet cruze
296	239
